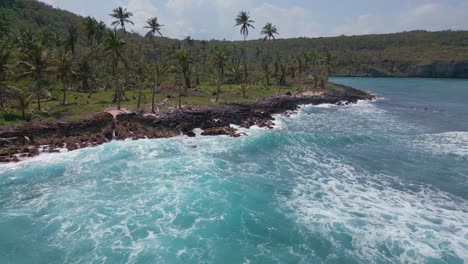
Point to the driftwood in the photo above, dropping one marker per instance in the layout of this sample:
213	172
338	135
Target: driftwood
8	140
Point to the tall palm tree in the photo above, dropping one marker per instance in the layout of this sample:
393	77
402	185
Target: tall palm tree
328	61
85	75
36	61
219	58
265	63
63	72
100	31
236	69
269	30
313	59
243	20
23	101
122	17
115	46
72	38
182	69
90	27
189	42
154	28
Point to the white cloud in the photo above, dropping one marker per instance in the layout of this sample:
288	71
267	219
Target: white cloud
293	21
434	16
214	19
427	16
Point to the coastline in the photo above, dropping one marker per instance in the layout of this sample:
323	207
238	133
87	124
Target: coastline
30	140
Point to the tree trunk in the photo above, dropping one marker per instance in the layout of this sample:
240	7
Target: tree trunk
119	92
90	89
180	97
38	92
140	94
116	82
153	95
1	93
267	74
244	52
187	82
156	84
156	75
218	91
64	94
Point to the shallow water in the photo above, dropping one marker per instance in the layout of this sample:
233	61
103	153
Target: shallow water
375	182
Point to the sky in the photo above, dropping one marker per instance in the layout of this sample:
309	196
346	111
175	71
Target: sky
214	19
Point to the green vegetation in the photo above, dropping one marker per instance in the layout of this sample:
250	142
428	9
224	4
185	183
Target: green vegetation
55	65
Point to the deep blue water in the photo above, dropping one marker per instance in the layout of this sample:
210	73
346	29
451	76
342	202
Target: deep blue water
375	182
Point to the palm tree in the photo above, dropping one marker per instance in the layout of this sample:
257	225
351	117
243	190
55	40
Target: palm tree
219	58
154	28
182	68
72	38
189	42
122	17
160	68
265	63
63	72
114	46
243	20
313	59
23	101
328	61
90	27
140	76
5	55
236	69
85	75
269	30
100	30
35	59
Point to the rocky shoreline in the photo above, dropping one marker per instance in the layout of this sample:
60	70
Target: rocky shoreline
32	139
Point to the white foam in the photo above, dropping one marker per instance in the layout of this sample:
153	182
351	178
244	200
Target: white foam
455	143
411	225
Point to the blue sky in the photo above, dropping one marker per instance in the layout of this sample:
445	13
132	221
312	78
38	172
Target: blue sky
214	19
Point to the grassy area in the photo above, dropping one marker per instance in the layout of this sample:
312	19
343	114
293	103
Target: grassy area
79	106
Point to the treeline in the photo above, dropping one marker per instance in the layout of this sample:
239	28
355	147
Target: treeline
45	53
44	60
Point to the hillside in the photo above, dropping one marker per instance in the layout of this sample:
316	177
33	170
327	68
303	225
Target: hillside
414	54
55	65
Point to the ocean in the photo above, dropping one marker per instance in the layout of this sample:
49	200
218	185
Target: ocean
382	181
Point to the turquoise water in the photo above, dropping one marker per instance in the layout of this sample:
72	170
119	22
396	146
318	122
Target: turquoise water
375	182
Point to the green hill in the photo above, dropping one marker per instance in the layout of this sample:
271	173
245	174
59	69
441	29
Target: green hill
58	65
415	53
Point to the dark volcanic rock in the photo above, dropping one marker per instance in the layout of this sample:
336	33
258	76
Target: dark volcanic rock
53	135
101	128
216	131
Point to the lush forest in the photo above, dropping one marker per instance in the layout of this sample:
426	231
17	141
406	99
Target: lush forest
55	64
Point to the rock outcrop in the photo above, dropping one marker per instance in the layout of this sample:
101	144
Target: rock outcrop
441	69
31	139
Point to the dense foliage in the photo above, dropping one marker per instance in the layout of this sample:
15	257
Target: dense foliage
47	53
